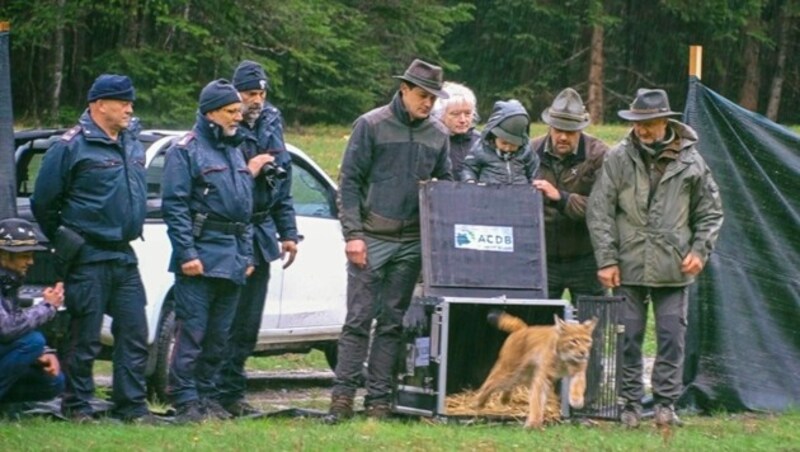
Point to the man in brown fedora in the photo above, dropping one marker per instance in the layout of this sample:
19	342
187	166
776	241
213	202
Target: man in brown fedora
654	217
570	162
391	150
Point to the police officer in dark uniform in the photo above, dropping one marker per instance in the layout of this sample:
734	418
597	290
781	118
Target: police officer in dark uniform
90	200
207	205
273	221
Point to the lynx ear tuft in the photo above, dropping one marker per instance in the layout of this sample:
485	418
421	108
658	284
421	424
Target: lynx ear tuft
559	323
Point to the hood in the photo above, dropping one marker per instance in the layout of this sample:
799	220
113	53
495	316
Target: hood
501	111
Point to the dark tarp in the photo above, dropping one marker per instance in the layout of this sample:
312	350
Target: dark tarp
8	192
743	343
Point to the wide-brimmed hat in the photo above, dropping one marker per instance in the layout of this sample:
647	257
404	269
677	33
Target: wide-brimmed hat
18	236
649	104
567	112
427	76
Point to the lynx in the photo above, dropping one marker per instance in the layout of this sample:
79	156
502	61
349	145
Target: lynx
539	355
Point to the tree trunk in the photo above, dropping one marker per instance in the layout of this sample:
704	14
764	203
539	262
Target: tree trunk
748	95
776	87
131	28
58	63
596	65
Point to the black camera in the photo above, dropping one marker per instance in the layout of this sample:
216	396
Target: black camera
273	171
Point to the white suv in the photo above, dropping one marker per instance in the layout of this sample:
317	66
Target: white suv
306	304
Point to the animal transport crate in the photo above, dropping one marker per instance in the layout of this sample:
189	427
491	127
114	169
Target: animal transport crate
482	241
450	347
604	371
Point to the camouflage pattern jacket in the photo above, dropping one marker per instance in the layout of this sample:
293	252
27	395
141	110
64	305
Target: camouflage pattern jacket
15	321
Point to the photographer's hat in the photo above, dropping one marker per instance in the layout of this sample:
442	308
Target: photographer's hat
427	76
18	236
250	75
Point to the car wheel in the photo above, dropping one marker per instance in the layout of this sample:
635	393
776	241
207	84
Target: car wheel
331	354
165	340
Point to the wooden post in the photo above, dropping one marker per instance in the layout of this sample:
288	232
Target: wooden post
696	61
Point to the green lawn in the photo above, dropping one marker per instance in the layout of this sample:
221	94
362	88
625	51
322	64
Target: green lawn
721	432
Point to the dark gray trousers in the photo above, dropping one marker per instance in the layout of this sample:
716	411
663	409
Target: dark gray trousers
380	291
579	275
670	306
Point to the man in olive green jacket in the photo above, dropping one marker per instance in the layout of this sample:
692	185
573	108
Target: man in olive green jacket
654	216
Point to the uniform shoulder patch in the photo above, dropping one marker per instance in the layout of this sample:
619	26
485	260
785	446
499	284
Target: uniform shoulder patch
71	133
186	139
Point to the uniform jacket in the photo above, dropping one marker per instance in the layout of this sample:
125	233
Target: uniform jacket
273	207
205	173
649	234
386	158
15	322
566	234
485	164
460	146
95	186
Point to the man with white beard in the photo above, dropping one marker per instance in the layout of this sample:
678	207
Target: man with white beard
273	220
207	206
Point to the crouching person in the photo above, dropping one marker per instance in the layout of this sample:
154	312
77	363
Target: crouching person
29	371
207	205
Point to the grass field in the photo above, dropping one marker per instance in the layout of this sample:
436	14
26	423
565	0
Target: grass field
718	433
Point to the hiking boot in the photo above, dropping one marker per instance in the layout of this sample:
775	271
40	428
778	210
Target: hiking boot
213	410
81	417
665	415
340	410
631	415
240	408
189	413
147	419
379	411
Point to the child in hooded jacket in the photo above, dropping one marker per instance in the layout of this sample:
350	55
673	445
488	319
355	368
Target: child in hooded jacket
503	155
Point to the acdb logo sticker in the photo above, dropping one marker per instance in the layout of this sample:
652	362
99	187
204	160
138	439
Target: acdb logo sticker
484	238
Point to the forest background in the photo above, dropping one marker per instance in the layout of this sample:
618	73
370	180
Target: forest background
331	60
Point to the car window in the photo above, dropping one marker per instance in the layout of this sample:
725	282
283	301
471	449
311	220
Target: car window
27	170
311	195
30	152
153	178
154	174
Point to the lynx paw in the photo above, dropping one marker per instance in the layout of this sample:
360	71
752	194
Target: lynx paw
533	425
576	402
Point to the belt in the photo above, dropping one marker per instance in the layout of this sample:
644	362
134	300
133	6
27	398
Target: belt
258	217
226	227
109	246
